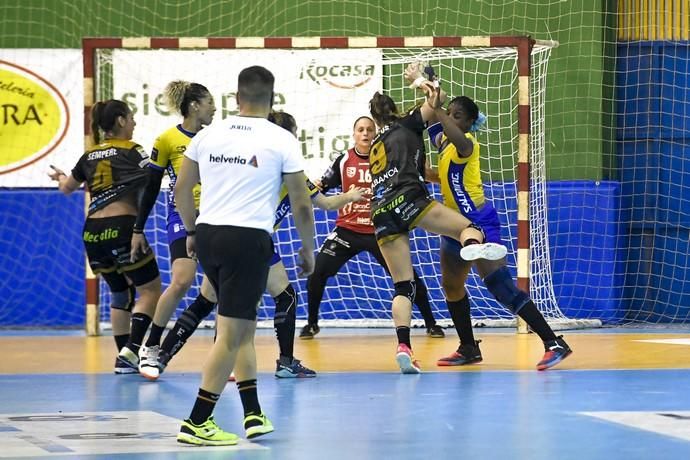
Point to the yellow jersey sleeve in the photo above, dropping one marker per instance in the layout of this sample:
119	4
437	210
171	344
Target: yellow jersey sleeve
160	155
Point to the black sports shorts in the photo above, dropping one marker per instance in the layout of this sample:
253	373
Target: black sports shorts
108	242
399	212
236	261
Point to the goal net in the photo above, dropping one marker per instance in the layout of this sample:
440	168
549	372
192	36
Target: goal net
326	88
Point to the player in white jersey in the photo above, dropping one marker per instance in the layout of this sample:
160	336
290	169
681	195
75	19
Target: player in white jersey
234	243
278	285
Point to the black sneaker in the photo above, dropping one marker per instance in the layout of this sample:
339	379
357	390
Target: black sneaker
555	352
287	368
124	367
309	331
435	332
465	354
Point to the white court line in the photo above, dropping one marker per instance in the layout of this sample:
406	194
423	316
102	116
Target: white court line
666	341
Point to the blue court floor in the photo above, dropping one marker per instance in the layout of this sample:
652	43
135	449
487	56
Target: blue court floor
621	396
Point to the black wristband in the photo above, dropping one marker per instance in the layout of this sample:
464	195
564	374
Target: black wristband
137	231
191	233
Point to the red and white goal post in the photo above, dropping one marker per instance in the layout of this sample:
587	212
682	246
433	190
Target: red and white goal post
326	83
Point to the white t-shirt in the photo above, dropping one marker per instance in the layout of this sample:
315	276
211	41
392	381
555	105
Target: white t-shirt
241	163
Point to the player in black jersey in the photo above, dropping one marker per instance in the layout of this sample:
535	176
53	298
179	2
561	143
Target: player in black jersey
114	173
353	232
401	202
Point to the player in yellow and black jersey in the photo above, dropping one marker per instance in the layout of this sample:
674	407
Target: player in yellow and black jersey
114	171
402	202
194	102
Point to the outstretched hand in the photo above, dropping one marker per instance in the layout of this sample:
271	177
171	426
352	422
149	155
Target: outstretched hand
357	194
56	174
413	71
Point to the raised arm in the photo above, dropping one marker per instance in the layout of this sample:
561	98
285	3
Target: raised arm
454	134
303	215
414	75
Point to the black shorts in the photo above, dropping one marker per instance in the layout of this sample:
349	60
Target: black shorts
178	250
236	261
108	242
399	213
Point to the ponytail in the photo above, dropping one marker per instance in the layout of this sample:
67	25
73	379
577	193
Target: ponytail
383	110
96	113
179	94
104	115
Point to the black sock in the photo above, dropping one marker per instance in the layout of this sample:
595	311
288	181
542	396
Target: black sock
121	341
249	397
155	335
469	241
186	324
403	333
284	320
140	324
462	320
203	407
535	320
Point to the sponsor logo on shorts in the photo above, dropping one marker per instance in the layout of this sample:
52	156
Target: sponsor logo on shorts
105	235
391	205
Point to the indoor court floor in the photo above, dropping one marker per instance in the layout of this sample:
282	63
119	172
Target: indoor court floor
622	394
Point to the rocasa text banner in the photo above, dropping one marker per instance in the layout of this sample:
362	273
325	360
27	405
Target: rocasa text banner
325	90
41	119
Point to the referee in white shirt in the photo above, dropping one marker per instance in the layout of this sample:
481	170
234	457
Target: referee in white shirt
241	162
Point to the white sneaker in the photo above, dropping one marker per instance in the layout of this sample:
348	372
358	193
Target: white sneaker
487	251
148	362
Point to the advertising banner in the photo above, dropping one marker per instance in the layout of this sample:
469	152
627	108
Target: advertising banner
41	115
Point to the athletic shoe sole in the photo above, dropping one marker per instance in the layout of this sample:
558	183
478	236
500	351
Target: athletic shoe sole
458	363
285	374
258	430
186	438
406	365
549	365
486	251
150	373
125	370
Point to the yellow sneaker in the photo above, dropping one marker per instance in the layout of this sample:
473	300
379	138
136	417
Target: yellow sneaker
257	425
206	434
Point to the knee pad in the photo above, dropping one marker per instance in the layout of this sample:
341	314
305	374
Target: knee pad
123	300
500	284
406	289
